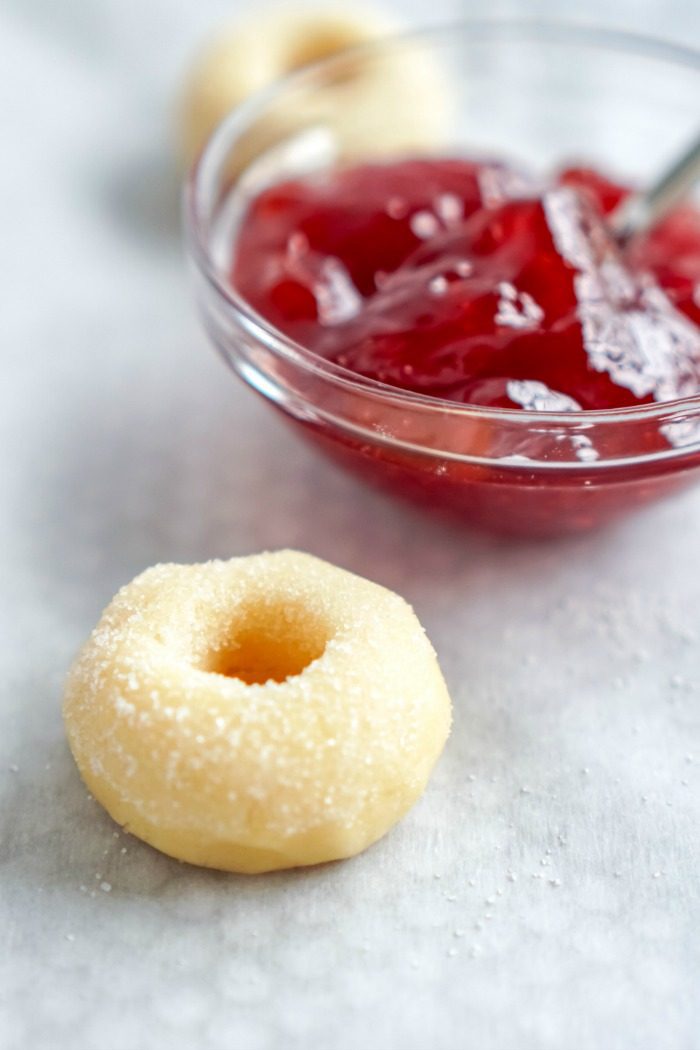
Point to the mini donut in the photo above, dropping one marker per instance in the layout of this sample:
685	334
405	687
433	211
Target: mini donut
265	712
397	102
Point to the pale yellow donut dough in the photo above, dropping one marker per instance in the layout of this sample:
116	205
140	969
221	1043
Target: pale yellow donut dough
258	713
398	103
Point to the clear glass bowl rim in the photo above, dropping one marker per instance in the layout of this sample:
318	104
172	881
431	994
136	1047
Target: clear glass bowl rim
202	178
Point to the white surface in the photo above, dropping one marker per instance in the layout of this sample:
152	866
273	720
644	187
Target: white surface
575	667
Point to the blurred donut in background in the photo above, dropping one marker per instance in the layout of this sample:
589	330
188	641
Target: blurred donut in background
377	104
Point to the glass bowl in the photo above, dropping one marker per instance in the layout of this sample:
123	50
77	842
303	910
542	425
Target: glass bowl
546	94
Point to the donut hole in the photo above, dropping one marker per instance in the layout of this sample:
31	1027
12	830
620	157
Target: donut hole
322	41
269	643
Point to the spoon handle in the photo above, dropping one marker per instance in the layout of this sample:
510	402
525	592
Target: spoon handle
641	210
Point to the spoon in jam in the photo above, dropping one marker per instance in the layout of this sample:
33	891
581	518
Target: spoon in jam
640	211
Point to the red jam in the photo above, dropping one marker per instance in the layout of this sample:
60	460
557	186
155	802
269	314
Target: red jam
473	283
462	281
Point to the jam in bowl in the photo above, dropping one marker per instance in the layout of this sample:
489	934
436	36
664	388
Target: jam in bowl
461	328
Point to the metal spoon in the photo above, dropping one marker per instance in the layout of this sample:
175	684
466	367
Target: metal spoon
640	211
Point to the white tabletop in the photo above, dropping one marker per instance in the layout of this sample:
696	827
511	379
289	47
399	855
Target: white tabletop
544	893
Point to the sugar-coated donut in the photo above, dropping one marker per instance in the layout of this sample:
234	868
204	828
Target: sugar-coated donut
264	712
398	102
